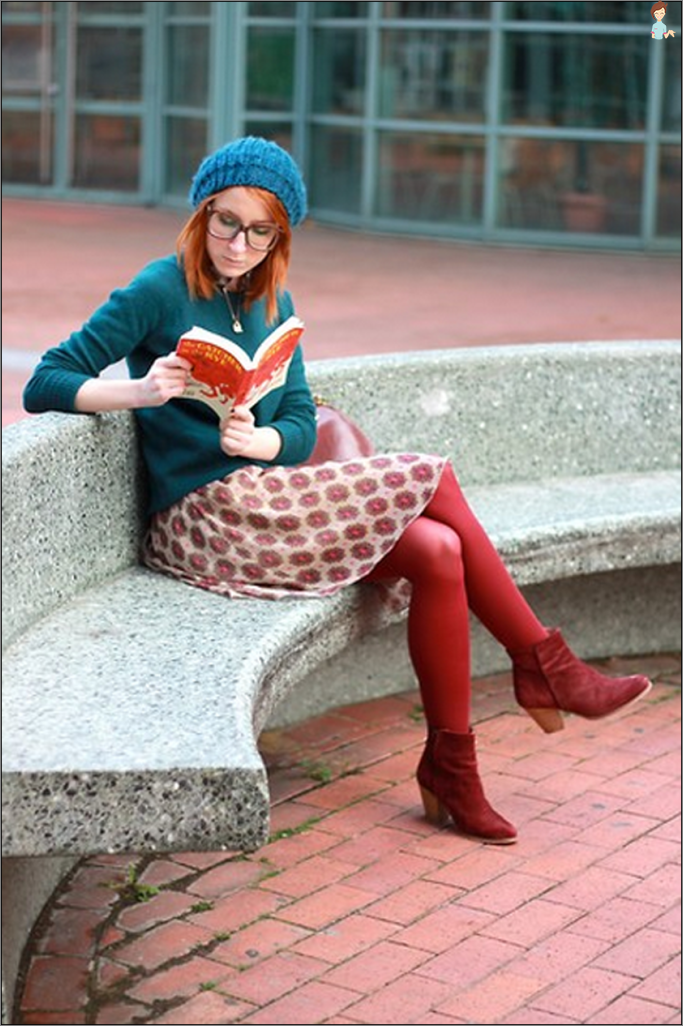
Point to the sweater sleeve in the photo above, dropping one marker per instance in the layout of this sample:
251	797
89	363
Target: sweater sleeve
110	335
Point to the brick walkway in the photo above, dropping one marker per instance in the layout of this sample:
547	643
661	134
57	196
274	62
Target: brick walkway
357	911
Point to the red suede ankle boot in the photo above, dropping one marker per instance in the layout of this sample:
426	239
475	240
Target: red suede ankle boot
450	786
549	680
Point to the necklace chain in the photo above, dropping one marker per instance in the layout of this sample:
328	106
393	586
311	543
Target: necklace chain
236	323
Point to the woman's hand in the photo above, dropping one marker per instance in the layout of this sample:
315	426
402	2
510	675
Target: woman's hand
166	379
237	431
241	437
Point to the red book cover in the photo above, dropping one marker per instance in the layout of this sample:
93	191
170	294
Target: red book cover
224	375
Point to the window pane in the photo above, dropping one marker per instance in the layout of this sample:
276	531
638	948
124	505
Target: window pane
22	149
22	59
21	8
669	205
107	152
571	186
95	8
339	72
186	147
270	69
436	9
576	81
277	131
616	11
336	155
431	177
109	64
187	78
272	10
340	10
671	105
433	75
194	10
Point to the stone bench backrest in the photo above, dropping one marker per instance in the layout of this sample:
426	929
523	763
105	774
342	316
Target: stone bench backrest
514	413
73	495
72	508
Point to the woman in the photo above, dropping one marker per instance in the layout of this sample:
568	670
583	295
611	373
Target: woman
234	508
659	29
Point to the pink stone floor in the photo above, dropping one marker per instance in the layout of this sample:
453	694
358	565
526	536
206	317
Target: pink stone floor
358	911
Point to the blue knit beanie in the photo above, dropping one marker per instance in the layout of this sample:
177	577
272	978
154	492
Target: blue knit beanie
257	162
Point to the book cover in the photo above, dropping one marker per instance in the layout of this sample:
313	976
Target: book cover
223	375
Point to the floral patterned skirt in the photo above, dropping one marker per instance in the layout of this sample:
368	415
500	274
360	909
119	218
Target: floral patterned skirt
293	531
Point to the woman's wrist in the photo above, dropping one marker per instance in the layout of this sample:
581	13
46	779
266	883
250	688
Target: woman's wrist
266	444
102	395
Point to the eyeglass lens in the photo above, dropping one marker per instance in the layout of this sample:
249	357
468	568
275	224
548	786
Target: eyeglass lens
224	225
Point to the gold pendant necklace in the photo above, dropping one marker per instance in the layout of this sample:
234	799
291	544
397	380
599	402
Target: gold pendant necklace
236	323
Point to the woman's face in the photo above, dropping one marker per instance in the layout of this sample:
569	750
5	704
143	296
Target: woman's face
660	14
235	257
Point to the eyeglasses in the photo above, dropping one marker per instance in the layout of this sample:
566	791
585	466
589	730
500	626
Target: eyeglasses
261	235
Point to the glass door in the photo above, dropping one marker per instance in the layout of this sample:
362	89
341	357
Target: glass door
29	91
73	95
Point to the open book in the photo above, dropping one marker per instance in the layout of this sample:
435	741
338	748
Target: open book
223	375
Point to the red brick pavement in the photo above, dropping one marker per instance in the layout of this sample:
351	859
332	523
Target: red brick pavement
357	911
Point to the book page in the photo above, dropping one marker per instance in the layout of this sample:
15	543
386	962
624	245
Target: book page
223	374
273	364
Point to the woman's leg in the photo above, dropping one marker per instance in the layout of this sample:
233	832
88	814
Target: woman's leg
428	554
548	678
493	596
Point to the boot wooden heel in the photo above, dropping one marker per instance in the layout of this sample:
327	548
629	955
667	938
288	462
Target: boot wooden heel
549	720
435	811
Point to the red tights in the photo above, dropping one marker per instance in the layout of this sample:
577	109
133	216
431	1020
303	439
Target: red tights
453	566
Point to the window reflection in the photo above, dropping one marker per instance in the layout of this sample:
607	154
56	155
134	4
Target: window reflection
431	177
107	151
109	63
571	186
186	146
435	75
616	11
270	69
336	155
188	66
340	10
671	103
436	9
339	71
576	80
669	205
272	10
22	160
278	131
106	7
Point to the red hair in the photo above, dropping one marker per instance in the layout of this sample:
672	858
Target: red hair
657	7
267	279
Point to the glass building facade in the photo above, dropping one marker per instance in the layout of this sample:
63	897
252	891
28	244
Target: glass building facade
546	123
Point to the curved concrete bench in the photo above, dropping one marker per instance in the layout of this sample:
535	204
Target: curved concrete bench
133	704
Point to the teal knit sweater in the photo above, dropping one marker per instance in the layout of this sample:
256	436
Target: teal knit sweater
180	440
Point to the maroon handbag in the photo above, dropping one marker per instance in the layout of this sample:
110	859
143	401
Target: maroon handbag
339	437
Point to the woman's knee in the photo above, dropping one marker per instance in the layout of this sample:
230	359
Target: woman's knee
439	552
